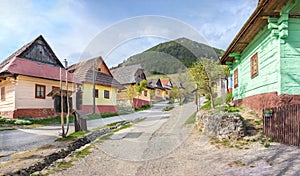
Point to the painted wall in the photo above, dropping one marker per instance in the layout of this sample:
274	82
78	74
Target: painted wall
290	59
25	92
9	103
268	79
87	96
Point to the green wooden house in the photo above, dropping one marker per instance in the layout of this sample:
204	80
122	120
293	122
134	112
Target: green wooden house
264	57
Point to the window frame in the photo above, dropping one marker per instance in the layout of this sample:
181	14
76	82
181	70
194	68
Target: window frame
96	93
36	92
254	65
235	78
2	93
106	94
145	93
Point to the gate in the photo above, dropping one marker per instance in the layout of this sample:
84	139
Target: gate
282	124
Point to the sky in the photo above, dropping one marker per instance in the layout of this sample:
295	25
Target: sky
78	30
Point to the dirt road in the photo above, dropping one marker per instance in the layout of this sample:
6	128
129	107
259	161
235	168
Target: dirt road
165	146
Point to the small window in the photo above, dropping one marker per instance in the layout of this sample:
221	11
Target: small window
2	93
106	94
55	87
167	92
145	93
158	92
235	81
254	65
40	91
96	93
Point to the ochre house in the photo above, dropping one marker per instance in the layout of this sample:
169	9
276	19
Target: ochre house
128	76
27	76
95	72
264	56
167	85
157	88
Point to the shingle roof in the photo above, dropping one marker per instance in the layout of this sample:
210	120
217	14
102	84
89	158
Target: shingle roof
84	72
126	74
155	83
15	64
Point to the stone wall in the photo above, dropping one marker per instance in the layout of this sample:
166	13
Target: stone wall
222	126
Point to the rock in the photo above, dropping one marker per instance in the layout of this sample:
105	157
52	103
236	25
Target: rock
222	126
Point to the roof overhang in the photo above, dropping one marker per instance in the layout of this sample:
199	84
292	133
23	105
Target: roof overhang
257	21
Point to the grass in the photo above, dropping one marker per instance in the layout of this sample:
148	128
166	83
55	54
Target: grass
191	119
72	136
144	107
168	108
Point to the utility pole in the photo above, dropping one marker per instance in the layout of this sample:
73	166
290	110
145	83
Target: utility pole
94	90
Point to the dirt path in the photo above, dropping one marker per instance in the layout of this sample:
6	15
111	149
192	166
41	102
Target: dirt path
155	147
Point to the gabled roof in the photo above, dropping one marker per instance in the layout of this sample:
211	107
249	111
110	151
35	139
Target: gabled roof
257	21
16	64
6	63
84	72
155	83
127	74
166	83
178	84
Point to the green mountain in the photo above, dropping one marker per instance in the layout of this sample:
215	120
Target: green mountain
173	56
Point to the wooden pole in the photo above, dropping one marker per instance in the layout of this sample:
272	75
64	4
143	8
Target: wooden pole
61	104
94	96
67	96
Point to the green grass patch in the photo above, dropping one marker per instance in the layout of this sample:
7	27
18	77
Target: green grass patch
168	108
206	105
72	136
191	119
144	107
48	121
258	122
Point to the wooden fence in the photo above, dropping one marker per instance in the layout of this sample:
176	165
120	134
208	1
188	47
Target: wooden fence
283	124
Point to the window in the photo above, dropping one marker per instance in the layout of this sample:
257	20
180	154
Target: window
106	94
96	93
158	92
235	81
145	93
40	91
167	92
254	65
2	93
54	87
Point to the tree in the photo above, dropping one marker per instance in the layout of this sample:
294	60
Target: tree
139	89
176	93
131	93
205	73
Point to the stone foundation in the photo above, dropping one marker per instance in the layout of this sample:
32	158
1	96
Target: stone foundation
34	113
267	100
221	126
99	108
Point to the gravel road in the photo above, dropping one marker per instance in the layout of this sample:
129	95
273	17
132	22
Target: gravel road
14	141
164	146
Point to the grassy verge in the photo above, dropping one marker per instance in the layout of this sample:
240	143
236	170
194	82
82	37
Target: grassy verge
191	119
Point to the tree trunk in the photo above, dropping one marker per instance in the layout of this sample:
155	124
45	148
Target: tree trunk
212	103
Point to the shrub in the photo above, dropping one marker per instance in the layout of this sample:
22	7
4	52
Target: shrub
10	121
26	118
22	122
228	97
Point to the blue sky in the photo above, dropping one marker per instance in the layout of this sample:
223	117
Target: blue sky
71	26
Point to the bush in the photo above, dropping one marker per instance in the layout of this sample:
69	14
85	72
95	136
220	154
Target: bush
26	118
22	122
228	97
10	121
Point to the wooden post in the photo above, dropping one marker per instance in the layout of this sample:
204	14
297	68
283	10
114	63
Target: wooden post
61	104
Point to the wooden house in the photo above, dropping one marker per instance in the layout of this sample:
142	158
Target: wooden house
27	76
264	55
167	85
128	76
157	89
95	72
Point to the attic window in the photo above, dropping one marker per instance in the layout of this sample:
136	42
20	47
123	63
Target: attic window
254	65
235	81
99	69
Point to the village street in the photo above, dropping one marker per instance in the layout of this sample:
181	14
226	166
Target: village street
14	141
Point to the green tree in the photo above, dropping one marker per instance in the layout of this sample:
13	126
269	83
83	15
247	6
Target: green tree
176	93
205	73
140	88
131	93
